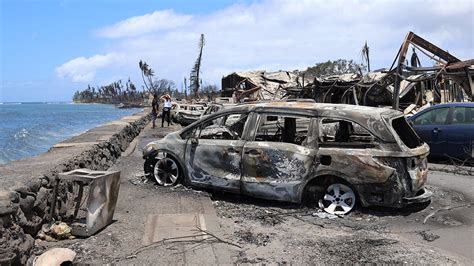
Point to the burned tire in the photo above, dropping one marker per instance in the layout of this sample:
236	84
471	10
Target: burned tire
148	167
163	169
338	198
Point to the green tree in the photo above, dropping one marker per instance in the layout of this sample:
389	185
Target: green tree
337	67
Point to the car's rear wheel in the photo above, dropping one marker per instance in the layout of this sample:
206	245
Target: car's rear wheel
163	169
338	199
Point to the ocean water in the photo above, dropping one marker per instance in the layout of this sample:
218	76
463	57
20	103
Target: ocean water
28	129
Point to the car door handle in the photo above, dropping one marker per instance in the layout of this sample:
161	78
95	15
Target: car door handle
232	150
253	153
437	130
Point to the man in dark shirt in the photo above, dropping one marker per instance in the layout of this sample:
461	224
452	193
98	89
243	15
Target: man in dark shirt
155	106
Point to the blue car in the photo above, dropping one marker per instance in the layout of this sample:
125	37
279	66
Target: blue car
447	128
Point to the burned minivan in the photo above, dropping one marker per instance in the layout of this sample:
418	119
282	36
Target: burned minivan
330	154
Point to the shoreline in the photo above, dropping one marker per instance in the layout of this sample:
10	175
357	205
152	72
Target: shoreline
16	149
27	186
77	142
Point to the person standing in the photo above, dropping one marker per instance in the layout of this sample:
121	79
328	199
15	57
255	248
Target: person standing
155	107
166	109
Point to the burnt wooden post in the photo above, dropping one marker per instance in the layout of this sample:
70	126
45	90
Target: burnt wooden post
470	82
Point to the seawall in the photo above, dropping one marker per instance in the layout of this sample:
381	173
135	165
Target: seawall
26	186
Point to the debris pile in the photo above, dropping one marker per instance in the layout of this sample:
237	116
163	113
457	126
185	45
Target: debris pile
407	87
261	85
55	256
54	232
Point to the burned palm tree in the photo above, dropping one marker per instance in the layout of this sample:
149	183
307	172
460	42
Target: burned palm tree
148	73
194	79
365	55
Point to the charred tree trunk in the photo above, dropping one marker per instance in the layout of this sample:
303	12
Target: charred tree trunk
194	77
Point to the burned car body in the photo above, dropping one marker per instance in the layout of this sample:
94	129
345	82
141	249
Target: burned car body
190	115
294	151
215	107
186	114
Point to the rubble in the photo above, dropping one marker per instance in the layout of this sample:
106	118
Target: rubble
260	85
428	236
324	215
400	87
54	232
249	237
55	257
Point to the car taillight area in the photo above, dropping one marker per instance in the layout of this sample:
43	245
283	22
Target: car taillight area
418	170
406	133
411	171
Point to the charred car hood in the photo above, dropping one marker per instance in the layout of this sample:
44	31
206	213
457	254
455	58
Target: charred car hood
153	146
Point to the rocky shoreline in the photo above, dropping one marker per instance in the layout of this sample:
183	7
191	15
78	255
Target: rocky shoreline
26	186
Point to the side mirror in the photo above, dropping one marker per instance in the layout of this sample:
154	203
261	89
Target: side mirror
194	141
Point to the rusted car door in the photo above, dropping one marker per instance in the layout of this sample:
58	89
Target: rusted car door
279	156
214	152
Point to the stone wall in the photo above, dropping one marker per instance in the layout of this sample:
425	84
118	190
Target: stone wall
25	207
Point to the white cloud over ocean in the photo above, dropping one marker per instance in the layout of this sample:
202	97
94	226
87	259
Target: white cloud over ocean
82	69
272	35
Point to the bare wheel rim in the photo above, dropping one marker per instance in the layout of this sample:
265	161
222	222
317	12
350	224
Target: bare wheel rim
338	199
166	172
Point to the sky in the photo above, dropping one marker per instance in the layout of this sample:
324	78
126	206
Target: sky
49	49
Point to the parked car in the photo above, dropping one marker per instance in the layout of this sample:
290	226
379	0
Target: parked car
176	108
447	128
191	114
329	154
186	113
215	107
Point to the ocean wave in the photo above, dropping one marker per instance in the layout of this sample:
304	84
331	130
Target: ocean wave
22	134
30	129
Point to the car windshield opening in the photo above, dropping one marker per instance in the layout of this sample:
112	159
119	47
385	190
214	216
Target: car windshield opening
406	133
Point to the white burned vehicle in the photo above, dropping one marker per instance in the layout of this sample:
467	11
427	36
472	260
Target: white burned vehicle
186	114
332	154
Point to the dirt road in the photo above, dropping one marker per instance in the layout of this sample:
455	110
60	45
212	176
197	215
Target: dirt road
249	230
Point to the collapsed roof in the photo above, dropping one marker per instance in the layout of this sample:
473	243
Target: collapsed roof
261	85
400	87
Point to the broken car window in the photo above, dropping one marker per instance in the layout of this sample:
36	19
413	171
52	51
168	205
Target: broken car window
406	132
339	131
289	129
229	127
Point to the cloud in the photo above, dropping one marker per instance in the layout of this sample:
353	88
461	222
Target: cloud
148	23
279	34
82	69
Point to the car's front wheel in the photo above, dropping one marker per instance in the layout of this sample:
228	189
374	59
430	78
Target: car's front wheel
163	169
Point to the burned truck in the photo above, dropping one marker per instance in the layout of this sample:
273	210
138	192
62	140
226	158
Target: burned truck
330	154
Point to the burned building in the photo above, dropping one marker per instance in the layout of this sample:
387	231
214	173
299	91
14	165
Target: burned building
262	85
405	85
